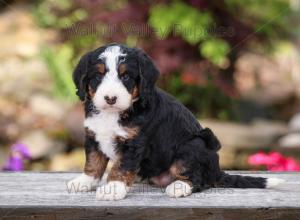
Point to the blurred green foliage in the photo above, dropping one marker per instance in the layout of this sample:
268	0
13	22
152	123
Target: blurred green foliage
212	101
50	13
59	64
268	17
191	25
255	25
183	18
215	50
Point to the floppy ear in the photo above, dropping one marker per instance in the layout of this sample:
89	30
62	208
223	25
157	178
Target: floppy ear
80	76
148	77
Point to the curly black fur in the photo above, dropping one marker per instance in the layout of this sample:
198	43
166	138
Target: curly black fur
168	131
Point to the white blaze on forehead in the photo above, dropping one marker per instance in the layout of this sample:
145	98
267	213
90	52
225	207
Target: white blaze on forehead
112	85
111	56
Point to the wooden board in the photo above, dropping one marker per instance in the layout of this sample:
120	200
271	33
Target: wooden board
30	195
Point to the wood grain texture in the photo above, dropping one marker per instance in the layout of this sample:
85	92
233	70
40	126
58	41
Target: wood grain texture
30	195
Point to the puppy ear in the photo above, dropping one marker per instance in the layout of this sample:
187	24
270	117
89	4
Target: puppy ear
148	77
80	76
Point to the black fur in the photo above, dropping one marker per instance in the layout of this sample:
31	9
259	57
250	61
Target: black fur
80	75
168	131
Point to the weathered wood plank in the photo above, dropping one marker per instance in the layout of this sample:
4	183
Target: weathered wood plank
45	196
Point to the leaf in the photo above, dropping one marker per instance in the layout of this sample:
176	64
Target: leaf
180	19
215	50
59	65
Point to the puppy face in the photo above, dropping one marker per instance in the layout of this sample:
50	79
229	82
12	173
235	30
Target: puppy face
114	77
113	86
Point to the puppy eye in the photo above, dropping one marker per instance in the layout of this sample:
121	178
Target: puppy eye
125	77
122	60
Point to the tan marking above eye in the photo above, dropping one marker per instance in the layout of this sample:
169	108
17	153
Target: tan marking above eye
101	68
135	92
122	68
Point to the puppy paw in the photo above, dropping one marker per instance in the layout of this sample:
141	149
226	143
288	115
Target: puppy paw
274	182
113	190
83	183
178	189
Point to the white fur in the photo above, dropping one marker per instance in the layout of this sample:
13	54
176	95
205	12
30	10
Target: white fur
82	183
111	56
111	85
106	127
178	189
273	182
105	124
113	190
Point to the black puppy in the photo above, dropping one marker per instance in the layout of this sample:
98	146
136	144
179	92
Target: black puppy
143	130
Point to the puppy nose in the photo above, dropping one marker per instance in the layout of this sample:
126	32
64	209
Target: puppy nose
110	100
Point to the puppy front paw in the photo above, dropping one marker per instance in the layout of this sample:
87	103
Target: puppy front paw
113	190
179	189
83	183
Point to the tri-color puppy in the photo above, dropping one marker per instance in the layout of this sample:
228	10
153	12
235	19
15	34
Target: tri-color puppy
143	130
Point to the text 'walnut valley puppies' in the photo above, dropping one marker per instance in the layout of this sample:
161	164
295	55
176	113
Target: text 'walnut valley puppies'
143	130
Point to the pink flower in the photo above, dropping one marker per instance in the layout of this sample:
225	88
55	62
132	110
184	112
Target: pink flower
274	161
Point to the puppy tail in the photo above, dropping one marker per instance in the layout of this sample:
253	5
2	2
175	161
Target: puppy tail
210	139
238	181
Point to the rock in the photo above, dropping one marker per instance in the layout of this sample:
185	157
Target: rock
40	145
9	130
3	155
235	135
45	106
290	140
32	74
294	124
19	34
73	161
277	76
22	70
27	114
240	140
74	124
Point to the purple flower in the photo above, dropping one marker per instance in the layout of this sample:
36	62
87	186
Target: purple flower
19	153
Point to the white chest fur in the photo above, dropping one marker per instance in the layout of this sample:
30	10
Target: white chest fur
106	127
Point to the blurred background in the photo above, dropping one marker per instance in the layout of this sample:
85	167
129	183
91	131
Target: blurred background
235	64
